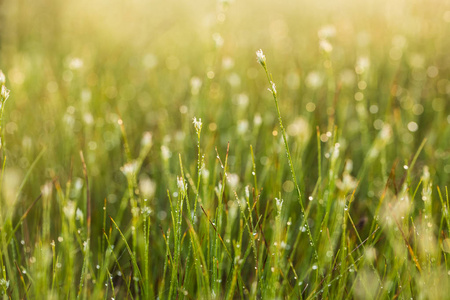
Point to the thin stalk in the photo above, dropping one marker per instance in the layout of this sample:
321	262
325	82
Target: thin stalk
272	89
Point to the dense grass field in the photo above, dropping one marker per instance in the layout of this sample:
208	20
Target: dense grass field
151	150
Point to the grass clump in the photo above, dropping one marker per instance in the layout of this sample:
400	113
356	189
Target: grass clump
164	169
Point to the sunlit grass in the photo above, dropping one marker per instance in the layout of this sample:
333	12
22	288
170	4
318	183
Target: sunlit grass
149	152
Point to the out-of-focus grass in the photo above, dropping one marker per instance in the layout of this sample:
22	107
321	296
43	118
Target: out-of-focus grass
175	211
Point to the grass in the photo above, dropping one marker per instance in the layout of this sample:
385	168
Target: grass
149	153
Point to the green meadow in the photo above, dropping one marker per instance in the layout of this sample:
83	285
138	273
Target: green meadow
224	149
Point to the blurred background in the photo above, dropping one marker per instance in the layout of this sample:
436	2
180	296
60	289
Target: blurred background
75	68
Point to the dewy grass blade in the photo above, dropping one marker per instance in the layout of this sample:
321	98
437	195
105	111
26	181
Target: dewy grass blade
261	58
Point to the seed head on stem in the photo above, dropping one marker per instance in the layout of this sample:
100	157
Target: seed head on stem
261	58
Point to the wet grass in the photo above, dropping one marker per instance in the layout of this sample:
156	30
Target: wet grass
151	153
